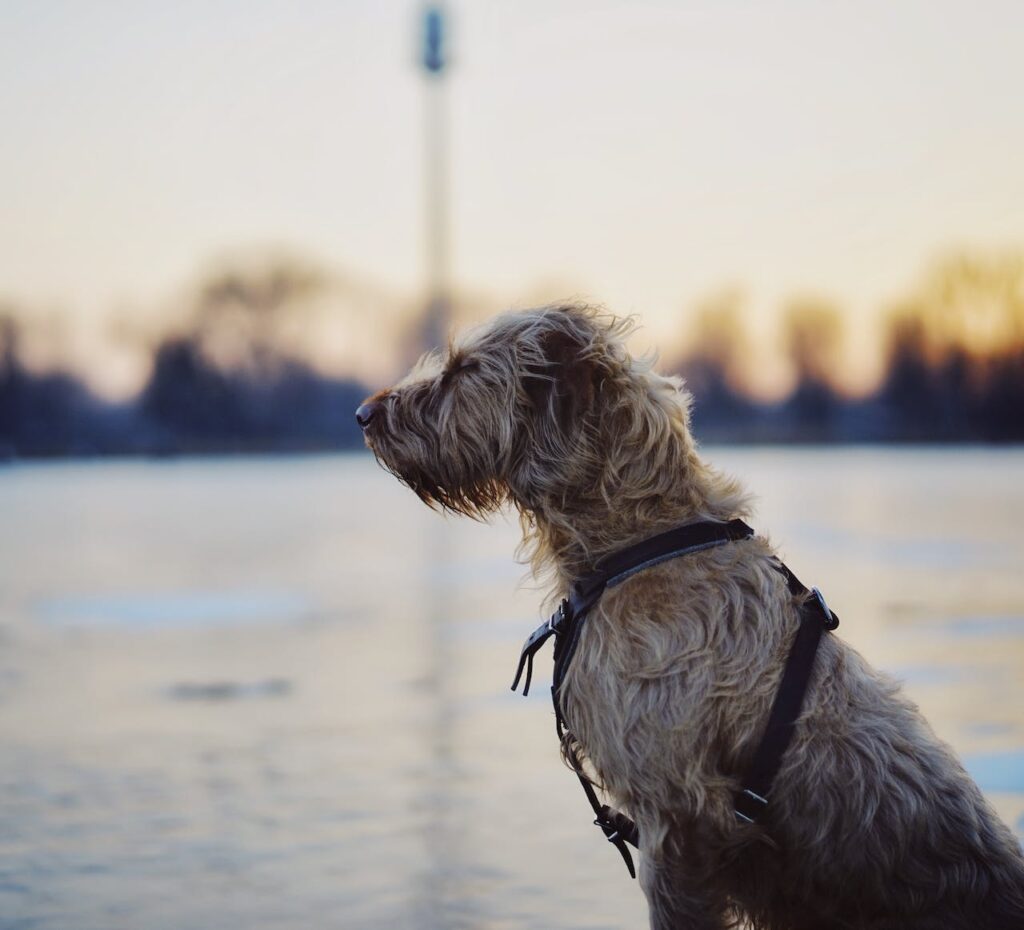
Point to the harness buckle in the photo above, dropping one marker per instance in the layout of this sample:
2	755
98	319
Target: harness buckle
831	620
613	832
537	639
756	798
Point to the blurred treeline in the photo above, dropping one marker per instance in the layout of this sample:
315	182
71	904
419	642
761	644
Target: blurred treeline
953	366
228	380
231	379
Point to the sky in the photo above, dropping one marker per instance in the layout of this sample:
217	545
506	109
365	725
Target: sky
644	154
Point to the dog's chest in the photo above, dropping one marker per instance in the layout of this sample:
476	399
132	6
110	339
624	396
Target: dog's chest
632	695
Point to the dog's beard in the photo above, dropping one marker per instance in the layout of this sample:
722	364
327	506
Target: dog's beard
454	485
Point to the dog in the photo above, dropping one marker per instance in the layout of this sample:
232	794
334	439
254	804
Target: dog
872	822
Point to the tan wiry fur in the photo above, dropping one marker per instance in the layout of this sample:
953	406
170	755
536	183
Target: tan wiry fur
872	824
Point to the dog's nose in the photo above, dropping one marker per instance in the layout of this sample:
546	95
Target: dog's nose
365	413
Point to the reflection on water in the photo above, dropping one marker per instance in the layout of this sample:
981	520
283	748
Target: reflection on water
274	693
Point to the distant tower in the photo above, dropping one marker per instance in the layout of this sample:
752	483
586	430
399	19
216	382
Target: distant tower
436	798
434	61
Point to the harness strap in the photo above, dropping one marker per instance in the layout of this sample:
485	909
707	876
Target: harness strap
617	828
615	568
815	618
566	625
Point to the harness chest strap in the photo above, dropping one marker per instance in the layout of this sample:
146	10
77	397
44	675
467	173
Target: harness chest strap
566	625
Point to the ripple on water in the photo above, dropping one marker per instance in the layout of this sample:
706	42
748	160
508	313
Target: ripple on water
187	609
932	674
1001	771
979	626
229	690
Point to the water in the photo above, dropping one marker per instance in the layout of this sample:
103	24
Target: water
273	693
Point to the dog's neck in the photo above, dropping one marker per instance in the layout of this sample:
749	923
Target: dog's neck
570	541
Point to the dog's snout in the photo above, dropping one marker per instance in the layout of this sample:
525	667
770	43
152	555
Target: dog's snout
366	412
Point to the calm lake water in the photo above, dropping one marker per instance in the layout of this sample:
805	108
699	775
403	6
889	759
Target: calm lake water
274	693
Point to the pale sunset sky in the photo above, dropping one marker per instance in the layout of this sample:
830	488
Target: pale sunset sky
644	154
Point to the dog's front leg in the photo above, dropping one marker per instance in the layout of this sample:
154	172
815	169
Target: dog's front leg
674	898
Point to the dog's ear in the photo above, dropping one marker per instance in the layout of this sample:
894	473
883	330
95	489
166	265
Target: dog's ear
561	382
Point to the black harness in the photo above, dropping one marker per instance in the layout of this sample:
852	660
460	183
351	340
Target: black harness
566	625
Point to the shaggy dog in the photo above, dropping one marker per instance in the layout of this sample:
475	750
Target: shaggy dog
872	822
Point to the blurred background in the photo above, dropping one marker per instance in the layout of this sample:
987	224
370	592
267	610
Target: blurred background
248	679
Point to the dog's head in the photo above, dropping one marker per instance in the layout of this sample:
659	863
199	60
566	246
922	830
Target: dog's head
529	408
